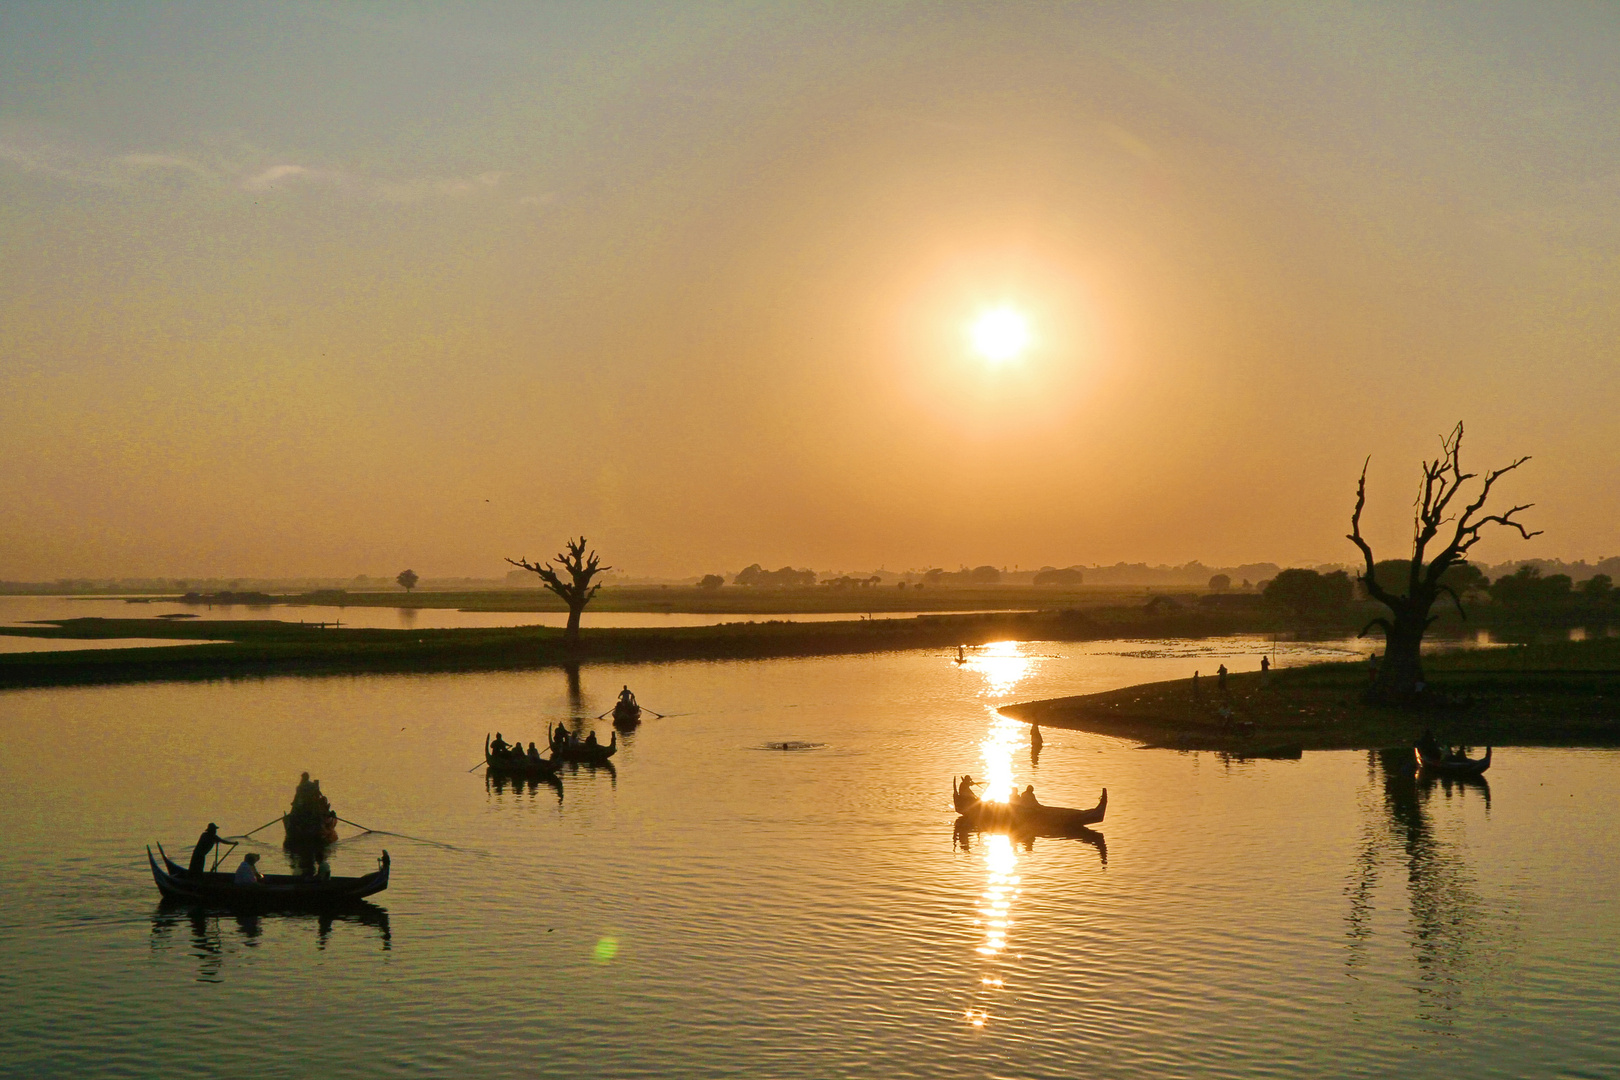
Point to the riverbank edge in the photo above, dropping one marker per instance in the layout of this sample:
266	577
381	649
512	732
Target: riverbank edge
267	648
1561	695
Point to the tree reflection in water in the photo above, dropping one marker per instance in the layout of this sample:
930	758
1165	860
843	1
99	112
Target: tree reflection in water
1446	915
210	944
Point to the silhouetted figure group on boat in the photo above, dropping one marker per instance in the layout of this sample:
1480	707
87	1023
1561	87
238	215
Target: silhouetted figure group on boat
503	752
1432	750
311	819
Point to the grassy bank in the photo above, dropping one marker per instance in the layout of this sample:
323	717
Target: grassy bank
269	647
1564	694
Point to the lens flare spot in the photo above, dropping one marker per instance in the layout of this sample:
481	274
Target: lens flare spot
606	949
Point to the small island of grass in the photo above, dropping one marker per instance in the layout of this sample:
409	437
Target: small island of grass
1560	694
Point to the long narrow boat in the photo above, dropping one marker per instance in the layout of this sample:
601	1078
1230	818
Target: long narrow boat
276	891
584	751
1030	817
542	768
1434	764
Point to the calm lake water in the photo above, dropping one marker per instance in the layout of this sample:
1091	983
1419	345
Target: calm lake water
713	909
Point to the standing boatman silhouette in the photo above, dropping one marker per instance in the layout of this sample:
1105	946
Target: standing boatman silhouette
205	843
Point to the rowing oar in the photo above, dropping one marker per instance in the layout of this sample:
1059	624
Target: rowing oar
643	709
402	836
266	825
219	853
480	765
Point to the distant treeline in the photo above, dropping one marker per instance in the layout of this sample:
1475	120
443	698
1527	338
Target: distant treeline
786	577
1525	595
1193	575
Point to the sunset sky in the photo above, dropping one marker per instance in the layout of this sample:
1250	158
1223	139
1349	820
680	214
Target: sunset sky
316	289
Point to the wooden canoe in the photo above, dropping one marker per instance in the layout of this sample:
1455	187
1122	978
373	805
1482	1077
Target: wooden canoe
1432	764
626	715
584	752
276	891
543	768
1033	818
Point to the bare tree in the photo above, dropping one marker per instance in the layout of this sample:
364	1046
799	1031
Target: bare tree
577	591
1401	671
408	579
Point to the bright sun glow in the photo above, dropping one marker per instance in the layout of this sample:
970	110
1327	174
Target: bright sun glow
1000	334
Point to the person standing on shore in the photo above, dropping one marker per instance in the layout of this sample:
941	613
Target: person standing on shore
1265	669
1220	678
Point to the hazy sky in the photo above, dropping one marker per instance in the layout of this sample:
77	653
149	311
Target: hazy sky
330	289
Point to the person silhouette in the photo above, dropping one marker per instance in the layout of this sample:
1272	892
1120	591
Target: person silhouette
205	843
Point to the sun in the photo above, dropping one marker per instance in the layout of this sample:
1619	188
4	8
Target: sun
1000	334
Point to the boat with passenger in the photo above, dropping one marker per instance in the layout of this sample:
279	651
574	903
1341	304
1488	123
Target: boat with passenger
513	760
626	711
269	891
1023	812
1433	760
567	747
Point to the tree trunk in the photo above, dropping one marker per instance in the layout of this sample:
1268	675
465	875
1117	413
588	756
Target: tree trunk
571	634
1401	669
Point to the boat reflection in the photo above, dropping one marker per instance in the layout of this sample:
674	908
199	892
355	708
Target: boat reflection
210	944
963	832
574	768
1455	786
497	783
1445	913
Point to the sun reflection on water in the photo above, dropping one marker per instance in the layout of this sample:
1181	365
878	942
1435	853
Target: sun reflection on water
1003	739
1001	861
1003	665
